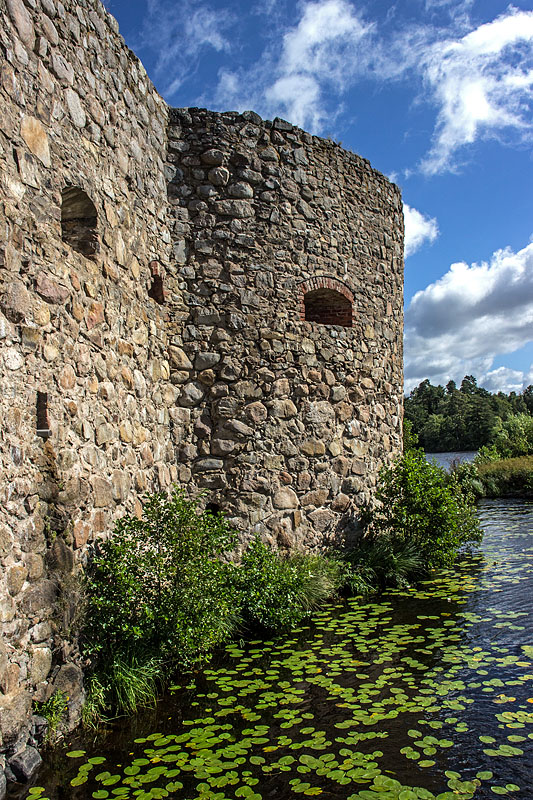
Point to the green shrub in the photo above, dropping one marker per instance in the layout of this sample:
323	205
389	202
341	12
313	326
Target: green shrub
419	504
514	437
278	591
160	596
467	473
158	591
410	438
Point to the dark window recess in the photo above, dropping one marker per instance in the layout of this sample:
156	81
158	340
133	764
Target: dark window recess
156	291
43	428
328	307
79	221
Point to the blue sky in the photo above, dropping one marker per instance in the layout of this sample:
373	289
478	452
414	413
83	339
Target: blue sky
437	94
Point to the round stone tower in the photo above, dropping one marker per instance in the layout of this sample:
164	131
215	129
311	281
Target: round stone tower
286	323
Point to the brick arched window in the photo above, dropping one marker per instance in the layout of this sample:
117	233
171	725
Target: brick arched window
79	221
326	301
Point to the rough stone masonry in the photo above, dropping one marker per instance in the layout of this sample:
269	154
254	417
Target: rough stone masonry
186	297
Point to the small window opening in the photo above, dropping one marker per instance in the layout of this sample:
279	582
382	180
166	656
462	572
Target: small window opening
328	307
79	221
213	508
156	291
43	428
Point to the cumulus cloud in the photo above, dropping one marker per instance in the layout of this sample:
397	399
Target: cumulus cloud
308	64
482	86
418	229
505	379
318	51
458	324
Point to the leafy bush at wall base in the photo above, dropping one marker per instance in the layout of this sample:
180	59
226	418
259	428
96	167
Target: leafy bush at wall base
419	504
277	592
159	589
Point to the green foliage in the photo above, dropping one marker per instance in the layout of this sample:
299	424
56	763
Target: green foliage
158	585
467	473
160	595
136	682
419	504
410	438
96	701
53	710
514	437
511	477
278	591
464	419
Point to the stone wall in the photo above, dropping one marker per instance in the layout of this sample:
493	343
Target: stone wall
158	273
287	421
77	110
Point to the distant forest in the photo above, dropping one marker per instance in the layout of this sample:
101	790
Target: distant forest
465	418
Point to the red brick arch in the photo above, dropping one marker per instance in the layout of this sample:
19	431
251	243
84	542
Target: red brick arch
326	301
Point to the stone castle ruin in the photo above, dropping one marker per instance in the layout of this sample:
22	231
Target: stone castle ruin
186	297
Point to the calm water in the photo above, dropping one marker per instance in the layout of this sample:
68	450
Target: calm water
447	459
423	693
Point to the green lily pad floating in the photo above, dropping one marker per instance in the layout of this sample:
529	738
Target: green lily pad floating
79	780
76	754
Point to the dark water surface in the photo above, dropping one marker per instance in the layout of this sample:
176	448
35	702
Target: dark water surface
422	693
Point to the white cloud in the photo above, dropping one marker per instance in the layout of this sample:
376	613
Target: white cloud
310	65
481	84
418	229
457	325
504	379
317	51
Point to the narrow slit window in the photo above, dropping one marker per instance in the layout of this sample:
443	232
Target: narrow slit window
43	427
79	221
156	290
328	307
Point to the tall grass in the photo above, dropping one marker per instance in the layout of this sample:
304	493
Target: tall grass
381	561
508	477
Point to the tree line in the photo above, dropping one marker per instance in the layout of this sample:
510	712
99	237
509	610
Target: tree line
469	417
